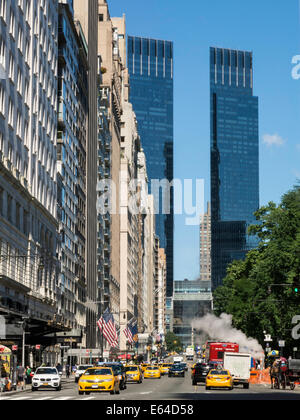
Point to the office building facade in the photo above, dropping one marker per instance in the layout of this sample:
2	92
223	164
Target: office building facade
29	287
150	65
205	245
191	300
71	161
234	157
86	12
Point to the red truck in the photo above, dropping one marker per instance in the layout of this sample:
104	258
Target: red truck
214	352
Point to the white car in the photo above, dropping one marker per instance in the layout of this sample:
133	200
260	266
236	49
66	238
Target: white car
81	369
46	378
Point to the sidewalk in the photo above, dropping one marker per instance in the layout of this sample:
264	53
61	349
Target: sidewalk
28	387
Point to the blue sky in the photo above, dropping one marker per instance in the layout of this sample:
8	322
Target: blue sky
271	30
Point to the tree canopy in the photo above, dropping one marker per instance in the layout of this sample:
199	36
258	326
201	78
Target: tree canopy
173	342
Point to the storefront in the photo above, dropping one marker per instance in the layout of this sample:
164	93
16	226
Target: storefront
7	368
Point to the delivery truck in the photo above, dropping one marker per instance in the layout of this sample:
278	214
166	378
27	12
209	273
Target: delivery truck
190	351
239	366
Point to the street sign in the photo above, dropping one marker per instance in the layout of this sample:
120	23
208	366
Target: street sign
14	348
268	338
281	343
38	347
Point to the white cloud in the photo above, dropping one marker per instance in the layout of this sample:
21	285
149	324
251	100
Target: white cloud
273	140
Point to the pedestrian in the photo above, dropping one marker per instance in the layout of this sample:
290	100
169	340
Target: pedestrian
68	371
28	375
21	375
59	368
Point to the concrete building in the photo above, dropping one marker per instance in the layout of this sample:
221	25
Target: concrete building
103	209
160	292
130	246
29	287
149	266
86	12
71	161
205	245
113	81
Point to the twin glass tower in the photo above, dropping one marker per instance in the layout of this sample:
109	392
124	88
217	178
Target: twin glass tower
234	144
234	157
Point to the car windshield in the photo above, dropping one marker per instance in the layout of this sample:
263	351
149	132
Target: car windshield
131	369
46	371
100	372
84	367
219	372
152	368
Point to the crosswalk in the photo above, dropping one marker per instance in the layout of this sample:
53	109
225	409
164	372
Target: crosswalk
31	397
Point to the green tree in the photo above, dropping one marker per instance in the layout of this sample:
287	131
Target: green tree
173	342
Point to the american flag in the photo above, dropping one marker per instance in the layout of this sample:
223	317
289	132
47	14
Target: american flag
131	332
107	325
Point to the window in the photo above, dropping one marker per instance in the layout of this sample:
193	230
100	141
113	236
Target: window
3	8
25	222
2	51
9	208
19	124
1	200
2	99
19	81
11	68
18	215
12	23
101	18
11	113
20	38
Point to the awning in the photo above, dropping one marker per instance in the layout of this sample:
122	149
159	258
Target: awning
4	351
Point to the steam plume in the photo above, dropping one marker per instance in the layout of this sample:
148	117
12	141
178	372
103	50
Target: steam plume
221	329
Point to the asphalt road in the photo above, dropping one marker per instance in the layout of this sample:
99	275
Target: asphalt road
164	389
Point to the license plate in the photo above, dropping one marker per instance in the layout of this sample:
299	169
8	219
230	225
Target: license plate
95	386
45	384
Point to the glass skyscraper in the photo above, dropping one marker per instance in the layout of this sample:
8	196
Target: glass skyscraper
234	157
150	64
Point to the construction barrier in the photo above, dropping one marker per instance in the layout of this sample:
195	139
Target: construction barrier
260	377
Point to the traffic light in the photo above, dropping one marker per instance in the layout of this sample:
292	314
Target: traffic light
296	290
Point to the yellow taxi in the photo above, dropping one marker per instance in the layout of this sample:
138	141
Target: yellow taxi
134	373
99	379
164	368
144	366
219	378
152	372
